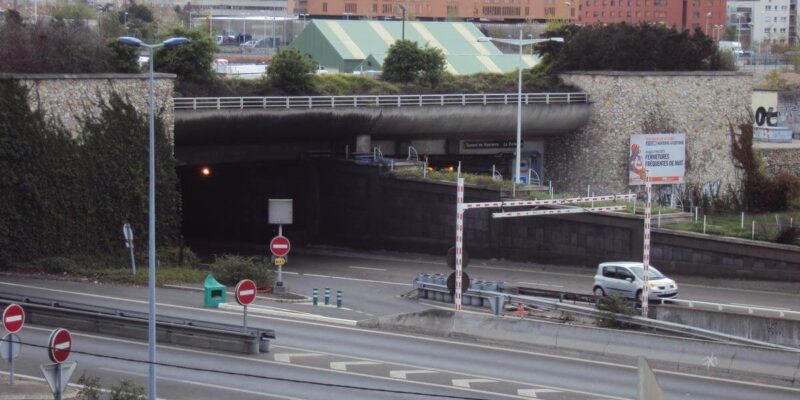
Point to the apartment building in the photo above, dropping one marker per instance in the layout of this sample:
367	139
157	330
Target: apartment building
764	22
433	10
708	15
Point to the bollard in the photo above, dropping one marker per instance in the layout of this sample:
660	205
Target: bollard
327	296
561	297
338	299
316	296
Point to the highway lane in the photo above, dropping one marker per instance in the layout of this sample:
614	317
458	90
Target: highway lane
487	368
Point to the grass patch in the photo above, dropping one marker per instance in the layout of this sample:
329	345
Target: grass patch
767	228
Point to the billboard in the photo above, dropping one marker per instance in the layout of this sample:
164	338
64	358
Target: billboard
663	155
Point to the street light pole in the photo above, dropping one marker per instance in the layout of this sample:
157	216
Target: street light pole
708	16
403	25
151	320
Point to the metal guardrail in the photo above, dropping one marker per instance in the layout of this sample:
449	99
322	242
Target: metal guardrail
592	312
133	324
363	101
752	310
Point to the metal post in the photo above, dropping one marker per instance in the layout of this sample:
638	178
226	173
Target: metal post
659	217
151	321
458	173
753	230
11	356
327	296
273	32
58	382
704	224
696	213
646	249
459	241
742	220
519	112
338	299
244	326
280	267
315	297
133	259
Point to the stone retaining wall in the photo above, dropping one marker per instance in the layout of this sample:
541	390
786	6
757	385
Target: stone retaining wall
67	97
700	104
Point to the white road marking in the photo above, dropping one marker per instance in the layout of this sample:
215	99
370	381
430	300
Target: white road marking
342	365
407	336
358	279
540	284
402	374
532	392
287	357
367	268
254	310
467	382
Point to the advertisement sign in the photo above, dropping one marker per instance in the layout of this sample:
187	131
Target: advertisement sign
663	155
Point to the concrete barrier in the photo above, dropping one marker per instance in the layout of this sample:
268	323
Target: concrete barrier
218	338
665	351
781	331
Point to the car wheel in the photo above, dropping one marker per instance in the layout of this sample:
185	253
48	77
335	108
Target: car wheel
638	295
599	292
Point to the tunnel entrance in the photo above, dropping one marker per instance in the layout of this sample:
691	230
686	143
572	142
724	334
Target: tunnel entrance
229	202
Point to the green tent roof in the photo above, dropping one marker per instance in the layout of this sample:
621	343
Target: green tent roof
345	45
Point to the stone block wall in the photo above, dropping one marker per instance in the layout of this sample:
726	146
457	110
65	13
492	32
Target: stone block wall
67	97
700	104
779	157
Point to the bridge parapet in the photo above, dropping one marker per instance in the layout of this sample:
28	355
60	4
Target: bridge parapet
370	101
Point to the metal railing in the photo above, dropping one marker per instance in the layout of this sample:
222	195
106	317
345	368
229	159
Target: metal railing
752	310
364	101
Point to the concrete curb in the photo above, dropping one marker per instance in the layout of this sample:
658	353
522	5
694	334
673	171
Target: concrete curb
305	299
675	352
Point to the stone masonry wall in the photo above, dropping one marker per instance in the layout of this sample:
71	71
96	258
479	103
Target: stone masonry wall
700	104
67	97
779	157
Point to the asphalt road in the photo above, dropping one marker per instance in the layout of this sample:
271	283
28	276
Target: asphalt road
314	355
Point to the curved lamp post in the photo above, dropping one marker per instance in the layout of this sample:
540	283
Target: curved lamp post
151	323
520	43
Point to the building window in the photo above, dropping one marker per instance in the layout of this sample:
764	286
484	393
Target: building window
783	19
387	8
768	8
783	30
324	7
374	8
549	12
350	7
766	30
527	11
696	14
660	3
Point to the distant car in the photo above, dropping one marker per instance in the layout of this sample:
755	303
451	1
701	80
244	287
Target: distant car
250	44
626	278
321	70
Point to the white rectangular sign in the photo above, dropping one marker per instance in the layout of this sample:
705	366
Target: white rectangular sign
663	155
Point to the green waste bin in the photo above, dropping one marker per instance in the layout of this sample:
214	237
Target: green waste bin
214	292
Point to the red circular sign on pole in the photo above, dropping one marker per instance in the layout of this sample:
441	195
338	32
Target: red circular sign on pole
59	345
13	318
280	246
245	292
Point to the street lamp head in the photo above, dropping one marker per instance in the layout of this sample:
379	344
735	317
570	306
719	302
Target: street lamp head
175	42
708	14
130	41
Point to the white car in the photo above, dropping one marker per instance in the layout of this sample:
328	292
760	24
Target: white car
626	278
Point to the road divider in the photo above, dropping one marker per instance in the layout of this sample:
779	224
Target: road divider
134	325
257	309
676	353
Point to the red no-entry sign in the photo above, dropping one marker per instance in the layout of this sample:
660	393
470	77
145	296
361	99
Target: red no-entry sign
13	318
59	345
245	292
280	246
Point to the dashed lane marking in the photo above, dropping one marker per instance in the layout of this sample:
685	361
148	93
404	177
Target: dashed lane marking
367	268
465	383
287	357
403	374
532	393
342	365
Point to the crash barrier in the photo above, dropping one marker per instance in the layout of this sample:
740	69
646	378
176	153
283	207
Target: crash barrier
678	353
783	331
502	297
134	325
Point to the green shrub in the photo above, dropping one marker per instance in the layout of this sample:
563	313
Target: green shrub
90	389
613	305
171	256
126	390
291	71
230	269
56	265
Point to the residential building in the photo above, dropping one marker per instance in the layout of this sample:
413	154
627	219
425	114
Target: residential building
764	22
708	15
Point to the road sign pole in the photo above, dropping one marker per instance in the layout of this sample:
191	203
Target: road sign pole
11	371
58	382
280	267
459	241
133	260
245	318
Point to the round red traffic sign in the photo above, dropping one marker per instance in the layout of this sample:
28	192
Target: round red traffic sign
59	345
245	292
280	246
13	318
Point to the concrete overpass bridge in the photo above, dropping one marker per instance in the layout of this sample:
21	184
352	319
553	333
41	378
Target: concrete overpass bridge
242	129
